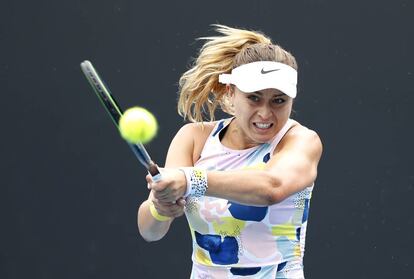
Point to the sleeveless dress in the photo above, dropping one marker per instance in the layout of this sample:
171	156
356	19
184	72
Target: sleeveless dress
232	240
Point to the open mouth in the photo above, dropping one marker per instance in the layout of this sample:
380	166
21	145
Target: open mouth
262	126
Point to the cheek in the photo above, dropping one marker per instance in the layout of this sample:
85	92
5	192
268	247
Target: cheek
241	108
285	110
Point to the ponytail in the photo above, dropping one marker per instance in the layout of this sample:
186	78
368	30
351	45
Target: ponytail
200	91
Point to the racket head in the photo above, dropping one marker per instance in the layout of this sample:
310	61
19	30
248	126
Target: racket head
114	110
102	91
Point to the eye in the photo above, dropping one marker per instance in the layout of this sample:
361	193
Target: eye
279	101
253	98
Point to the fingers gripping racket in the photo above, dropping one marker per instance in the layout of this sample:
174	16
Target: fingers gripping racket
112	107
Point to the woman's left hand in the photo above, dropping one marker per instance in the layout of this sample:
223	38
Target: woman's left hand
170	188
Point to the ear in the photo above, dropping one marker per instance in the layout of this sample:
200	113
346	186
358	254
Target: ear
230	89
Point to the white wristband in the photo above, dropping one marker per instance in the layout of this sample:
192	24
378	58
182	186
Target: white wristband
196	181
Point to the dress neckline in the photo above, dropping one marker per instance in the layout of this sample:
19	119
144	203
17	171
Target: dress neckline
279	135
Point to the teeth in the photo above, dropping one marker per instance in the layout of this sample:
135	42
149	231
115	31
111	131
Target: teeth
263	125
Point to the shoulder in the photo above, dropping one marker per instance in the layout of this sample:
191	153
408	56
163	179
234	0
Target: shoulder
194	135
301	137
195	131
300	131
197	128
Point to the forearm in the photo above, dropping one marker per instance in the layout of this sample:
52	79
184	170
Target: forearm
150	228
250	187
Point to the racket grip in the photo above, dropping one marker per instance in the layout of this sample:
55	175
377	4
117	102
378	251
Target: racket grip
154	171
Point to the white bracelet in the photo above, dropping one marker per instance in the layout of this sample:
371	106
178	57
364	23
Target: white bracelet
196	181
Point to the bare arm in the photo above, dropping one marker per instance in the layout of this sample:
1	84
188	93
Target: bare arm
180	154
292	168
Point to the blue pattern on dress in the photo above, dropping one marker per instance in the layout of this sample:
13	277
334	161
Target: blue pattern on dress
305	211
244	271
266	158
221	251
281	266
220	126
247	212
252	157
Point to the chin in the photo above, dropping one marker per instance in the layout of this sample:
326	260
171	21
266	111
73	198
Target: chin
263	138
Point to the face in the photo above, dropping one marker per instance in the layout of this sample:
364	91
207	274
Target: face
259	115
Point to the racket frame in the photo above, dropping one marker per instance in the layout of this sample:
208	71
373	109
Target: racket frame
114	110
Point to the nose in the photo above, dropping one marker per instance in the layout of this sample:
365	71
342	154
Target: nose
265	112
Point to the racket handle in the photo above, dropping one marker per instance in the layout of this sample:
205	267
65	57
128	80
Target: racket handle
154	171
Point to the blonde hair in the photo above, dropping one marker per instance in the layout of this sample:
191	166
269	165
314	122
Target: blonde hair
200	91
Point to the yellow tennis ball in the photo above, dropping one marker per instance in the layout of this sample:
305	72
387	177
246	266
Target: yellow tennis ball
138	125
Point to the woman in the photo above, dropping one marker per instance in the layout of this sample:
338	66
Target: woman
244	183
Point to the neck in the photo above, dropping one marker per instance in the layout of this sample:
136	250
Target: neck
234	138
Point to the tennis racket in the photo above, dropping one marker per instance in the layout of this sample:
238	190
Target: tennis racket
114	110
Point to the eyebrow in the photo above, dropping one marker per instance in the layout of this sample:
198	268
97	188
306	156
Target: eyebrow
276	95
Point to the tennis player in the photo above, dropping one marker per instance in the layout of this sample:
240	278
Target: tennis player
244	182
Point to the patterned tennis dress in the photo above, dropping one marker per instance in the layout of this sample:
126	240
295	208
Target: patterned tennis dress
232	240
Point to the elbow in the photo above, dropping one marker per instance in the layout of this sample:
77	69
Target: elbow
274	196
281	188
147	230
274	193
145	235
146	238
149	236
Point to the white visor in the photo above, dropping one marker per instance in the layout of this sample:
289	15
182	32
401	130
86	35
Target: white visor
261	75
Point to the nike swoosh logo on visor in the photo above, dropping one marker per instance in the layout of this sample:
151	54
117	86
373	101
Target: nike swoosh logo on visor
269	71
